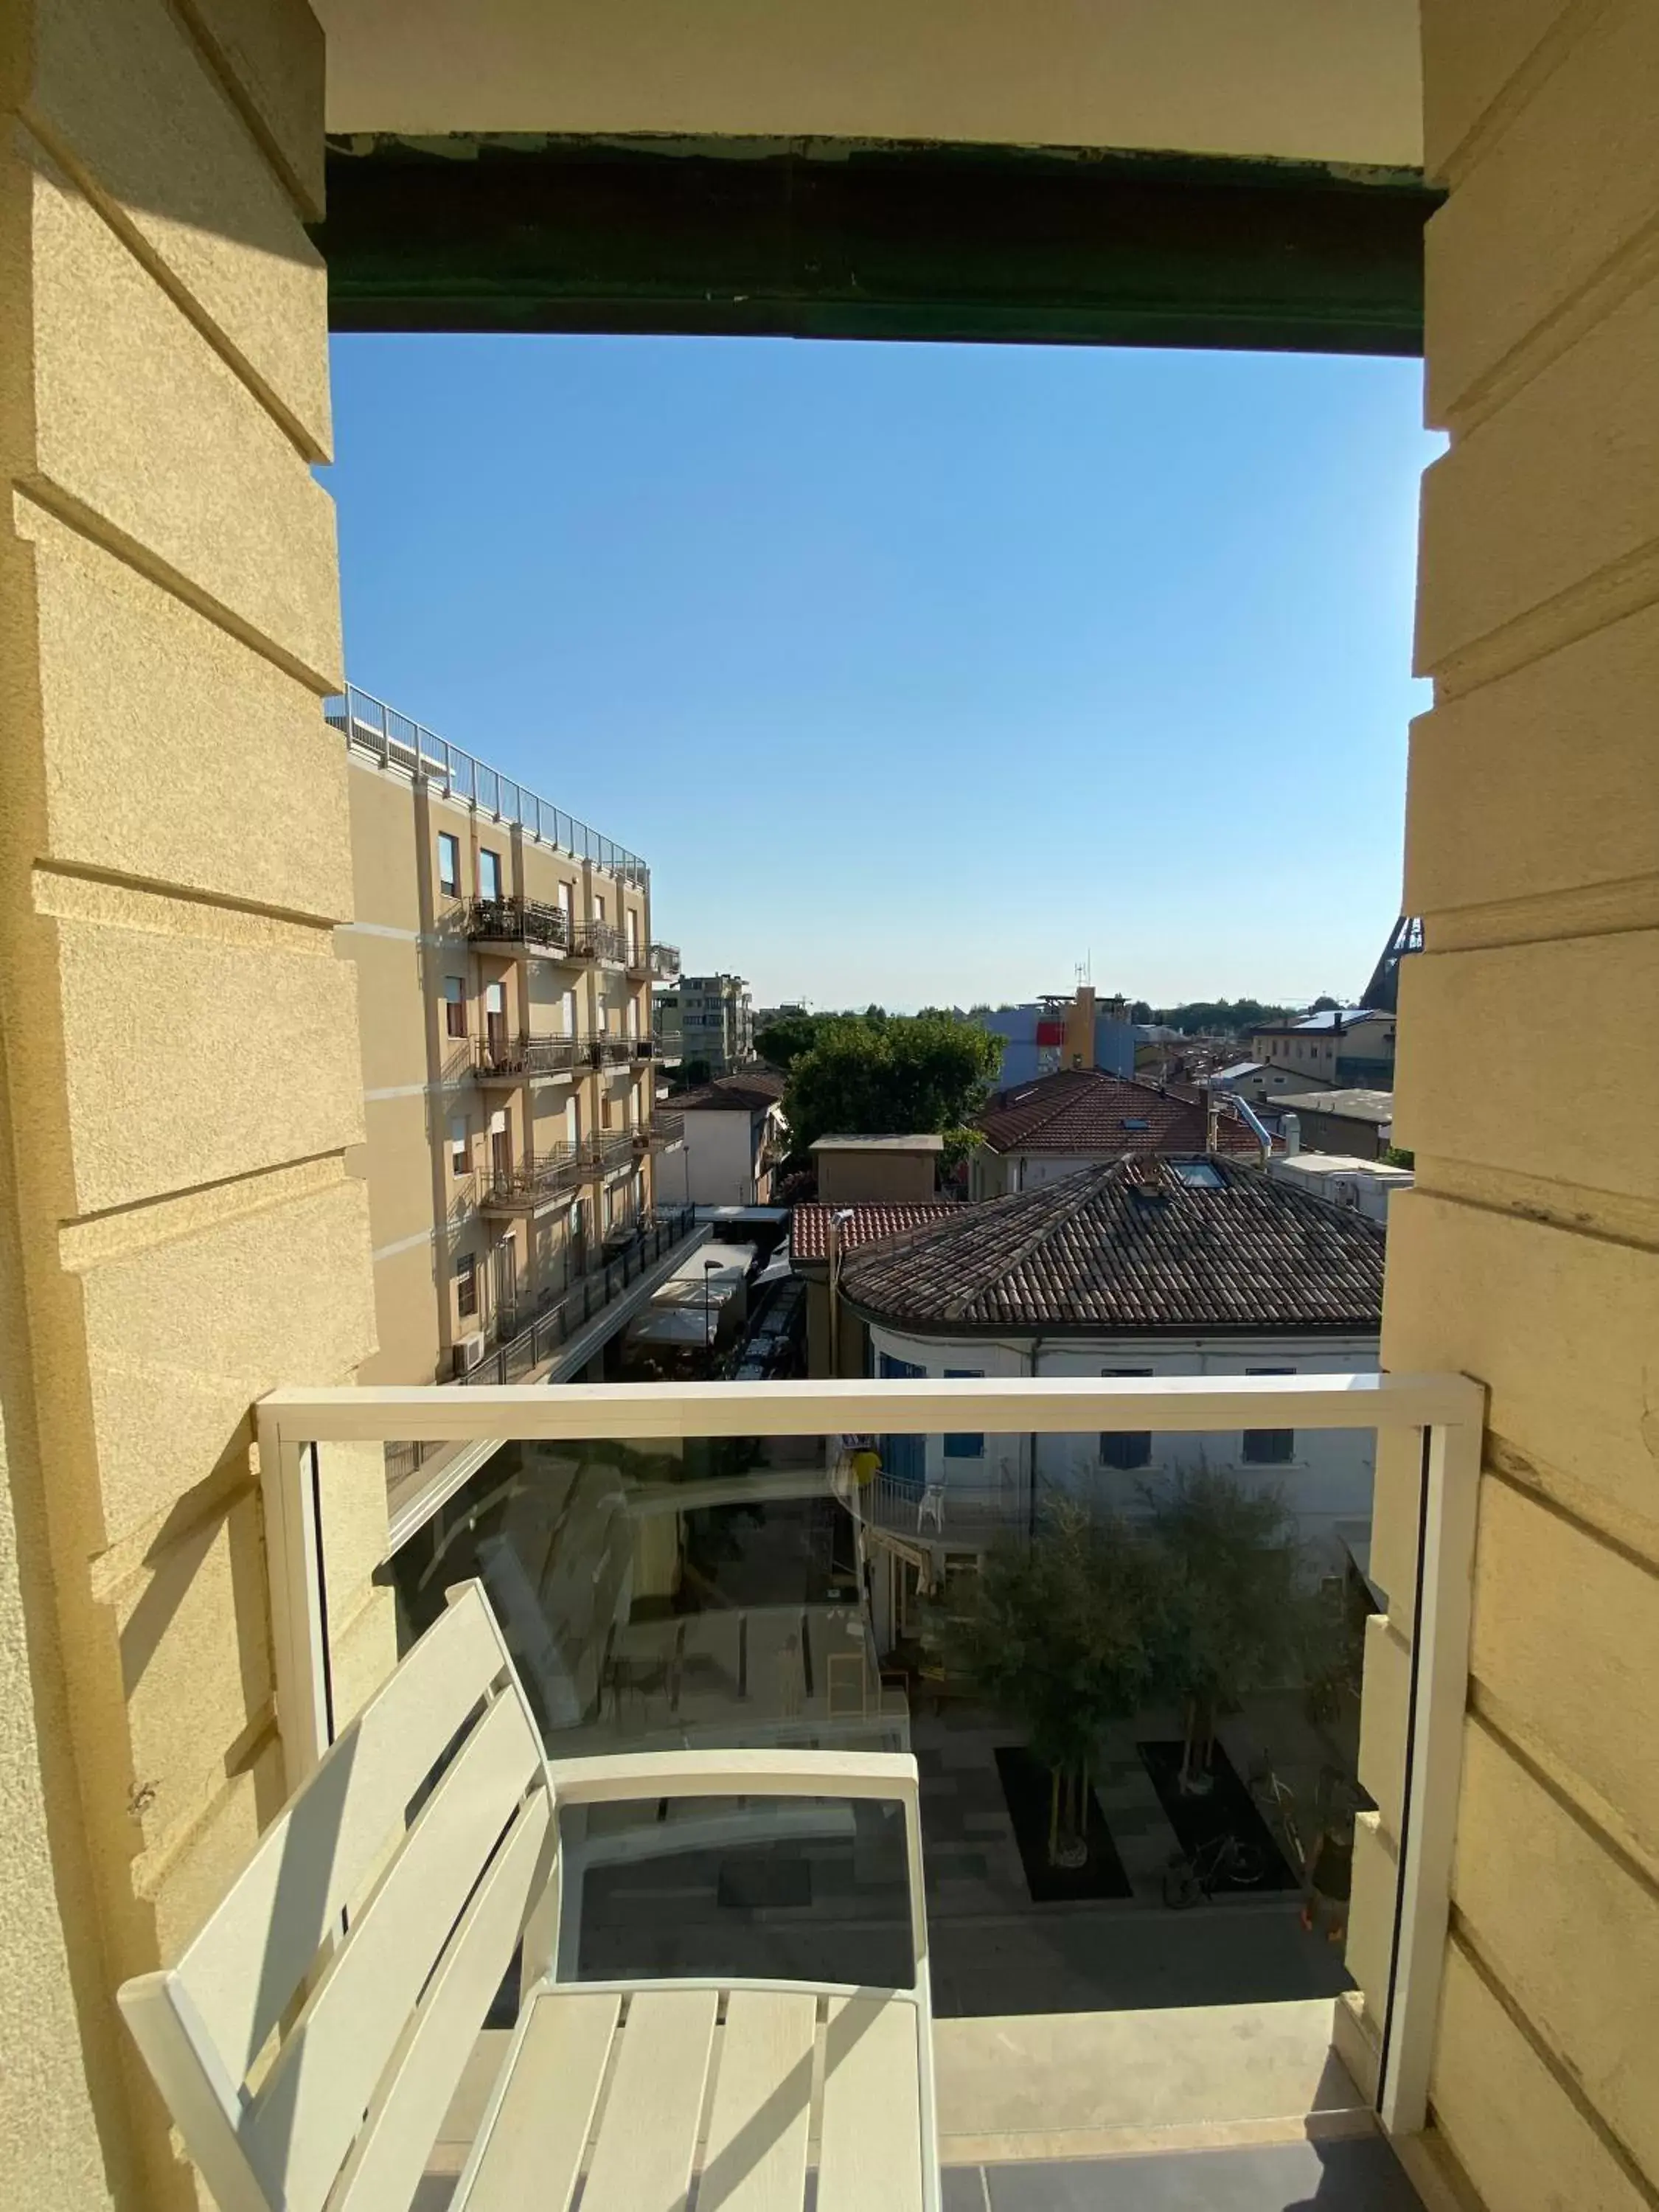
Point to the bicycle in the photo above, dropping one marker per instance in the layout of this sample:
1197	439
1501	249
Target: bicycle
1189	1877
1277	1801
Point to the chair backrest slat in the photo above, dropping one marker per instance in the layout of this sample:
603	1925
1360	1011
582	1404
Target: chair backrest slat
390	2156
309	2110
391	2009
246	1964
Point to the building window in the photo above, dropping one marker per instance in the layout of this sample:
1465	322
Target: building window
449	864
454	1006
1269	1447
461	1146
1125	1448
489	874
963	1445
466	1287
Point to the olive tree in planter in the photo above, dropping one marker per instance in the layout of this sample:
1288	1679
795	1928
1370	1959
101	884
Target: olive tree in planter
1062	1631
1235	1605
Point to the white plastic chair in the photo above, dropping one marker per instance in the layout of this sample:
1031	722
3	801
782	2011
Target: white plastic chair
309	2040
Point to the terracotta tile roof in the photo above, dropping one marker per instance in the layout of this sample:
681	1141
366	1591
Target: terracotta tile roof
808	1226
1084	1111
1124	1247
751	1089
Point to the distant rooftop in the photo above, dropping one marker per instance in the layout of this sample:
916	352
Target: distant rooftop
1349	1017
809	1226
927	1142
1357	1105
749	1091
1082	1111
1144	1245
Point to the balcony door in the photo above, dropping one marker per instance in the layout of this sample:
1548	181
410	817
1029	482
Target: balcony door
903	1459
496	1020
501	1147
504	1266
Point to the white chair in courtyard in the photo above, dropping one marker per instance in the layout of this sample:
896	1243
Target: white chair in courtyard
310	2039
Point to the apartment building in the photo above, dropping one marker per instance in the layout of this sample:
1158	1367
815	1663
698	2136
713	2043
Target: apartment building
1348	1047
185	1249
707	1018
504	962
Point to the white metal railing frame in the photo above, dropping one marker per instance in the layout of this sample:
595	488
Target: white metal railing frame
1447	1410
397	740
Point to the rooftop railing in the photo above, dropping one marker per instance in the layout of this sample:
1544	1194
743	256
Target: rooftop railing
396	741
664	963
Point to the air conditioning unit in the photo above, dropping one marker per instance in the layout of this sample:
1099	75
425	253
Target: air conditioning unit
468	1354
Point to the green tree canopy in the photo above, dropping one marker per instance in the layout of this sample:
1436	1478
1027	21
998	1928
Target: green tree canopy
1226	1016
782	1042
903	1075
1236	1615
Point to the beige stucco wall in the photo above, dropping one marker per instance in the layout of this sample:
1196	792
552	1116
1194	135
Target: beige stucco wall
178	1229
1328	79
1528	1252
858	1178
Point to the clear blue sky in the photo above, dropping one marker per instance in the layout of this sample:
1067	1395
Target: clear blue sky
918	673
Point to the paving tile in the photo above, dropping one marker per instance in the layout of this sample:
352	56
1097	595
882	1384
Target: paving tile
1348	2174
962	2190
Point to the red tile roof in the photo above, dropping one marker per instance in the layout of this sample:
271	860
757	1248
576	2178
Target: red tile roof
808	1226
1085	1112
750	1089
1132	1247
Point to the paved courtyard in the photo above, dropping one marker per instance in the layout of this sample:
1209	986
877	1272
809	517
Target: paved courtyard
993	1951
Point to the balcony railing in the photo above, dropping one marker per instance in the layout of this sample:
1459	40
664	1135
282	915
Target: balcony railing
567	1489
531	923
606	1150
605	1049
516	1059
531	1181
661	1132
397	742
598	940
664	963
535	1337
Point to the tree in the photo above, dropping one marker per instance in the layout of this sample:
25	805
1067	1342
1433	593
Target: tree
1397	1156
907	1075
1236	1617
1063	1633
782	1042
694	1073
1323	1005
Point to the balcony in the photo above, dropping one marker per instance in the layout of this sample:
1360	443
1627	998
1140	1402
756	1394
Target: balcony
528	1059
520	925
606	1151
605	1048
525	1347
598	940
664	963
532	1182
586	1505
660	1133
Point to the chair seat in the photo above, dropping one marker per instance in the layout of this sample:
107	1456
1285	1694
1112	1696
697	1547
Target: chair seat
619	2081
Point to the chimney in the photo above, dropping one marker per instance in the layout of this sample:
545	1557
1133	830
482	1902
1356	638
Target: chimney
1079	1051
1291	1130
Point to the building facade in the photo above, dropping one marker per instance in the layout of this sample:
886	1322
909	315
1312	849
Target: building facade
1349	1046
707	1018
1048	1034
503	958
730	1142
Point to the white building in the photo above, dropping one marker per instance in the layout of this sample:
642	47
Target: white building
733	1140
1159	1267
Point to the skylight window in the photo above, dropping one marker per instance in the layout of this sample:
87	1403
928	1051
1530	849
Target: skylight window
1199	1175
1135	1121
